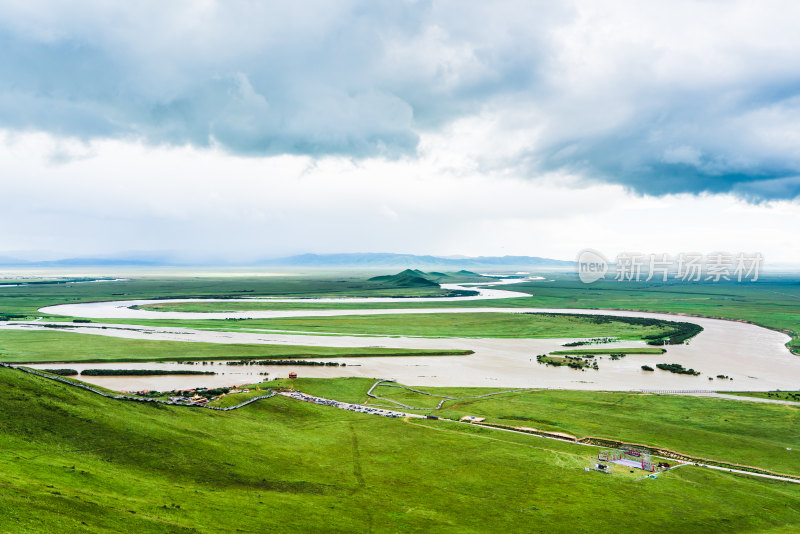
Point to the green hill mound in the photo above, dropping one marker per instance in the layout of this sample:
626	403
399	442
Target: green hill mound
417	278
441	278
407	278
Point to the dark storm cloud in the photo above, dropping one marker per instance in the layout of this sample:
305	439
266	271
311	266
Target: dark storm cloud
703	97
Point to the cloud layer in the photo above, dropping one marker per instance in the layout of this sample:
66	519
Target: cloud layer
206	205
661	98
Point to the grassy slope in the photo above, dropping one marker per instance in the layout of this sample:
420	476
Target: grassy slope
58	346
734	431
406	278
80	462
739	432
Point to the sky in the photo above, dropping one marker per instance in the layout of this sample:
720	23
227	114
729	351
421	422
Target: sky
232	131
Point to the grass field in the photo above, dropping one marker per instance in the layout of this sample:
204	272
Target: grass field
747	433
18	346
76	461
28	299
773	301
629	350
499	325
775	395
80	462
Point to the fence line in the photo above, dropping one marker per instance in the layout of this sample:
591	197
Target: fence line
133	398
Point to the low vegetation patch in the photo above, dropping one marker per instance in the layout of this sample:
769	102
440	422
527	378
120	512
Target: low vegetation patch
573	362
61	372
631	350
11	316
681	333
677	369
142	372
288	362
593	341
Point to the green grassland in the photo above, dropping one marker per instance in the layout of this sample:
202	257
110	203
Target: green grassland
629	350
232	399
746	433
79	462
773	301
73	461
18	346
731	431
774	395
479	324
27	299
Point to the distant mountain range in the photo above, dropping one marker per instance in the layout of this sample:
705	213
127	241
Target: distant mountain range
84	262
374	261
412	261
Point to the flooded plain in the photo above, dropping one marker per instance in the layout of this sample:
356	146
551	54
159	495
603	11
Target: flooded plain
755	358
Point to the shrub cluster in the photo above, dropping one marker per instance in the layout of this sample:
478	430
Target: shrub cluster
61	372
287	362
141	372
677	369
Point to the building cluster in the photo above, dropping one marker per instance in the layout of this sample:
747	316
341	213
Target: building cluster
194	399
345	405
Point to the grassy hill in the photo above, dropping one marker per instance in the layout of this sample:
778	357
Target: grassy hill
417	278
406	278
77	462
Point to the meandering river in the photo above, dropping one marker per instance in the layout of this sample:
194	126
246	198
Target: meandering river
755	358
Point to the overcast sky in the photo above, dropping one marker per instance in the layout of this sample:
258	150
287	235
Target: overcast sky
242	130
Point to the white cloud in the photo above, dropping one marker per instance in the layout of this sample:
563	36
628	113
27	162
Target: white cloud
209	204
